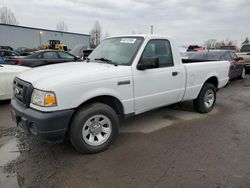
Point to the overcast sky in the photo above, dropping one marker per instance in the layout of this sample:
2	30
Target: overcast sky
187	21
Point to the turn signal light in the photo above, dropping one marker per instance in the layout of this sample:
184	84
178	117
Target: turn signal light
49	100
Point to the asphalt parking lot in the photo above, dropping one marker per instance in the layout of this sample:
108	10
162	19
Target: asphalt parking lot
169	147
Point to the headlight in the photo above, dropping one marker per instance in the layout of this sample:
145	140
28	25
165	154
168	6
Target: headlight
43	98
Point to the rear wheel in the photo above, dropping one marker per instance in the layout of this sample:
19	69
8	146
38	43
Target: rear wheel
206	99
94	128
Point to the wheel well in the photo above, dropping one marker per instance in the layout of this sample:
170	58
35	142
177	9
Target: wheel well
111	101
213	80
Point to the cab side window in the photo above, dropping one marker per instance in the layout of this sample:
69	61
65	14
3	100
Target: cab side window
49	55
161	49
64	55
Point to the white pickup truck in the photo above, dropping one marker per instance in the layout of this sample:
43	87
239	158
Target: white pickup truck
123	76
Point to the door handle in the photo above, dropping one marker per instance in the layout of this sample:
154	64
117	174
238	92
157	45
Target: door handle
175	73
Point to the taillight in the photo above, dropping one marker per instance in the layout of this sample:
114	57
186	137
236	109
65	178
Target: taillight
17	62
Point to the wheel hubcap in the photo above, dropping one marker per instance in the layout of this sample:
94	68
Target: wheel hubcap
97	130
209	98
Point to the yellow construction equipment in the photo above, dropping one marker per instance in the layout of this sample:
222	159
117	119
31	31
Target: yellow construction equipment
54	45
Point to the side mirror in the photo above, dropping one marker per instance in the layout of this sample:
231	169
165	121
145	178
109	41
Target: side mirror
148	63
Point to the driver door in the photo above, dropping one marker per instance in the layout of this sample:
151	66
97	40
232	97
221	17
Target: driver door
157	86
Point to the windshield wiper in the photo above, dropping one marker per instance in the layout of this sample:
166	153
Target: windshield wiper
106	60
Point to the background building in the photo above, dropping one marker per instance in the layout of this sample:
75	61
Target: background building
20	36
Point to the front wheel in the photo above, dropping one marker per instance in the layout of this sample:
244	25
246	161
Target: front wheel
206	99
94	128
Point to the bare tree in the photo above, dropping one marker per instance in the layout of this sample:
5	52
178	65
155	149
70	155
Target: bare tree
217	44
61	26
210	44
7	16
95	35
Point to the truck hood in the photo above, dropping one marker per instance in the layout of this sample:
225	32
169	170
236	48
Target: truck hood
13	68
47	77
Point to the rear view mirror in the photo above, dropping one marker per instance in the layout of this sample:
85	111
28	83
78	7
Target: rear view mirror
148	63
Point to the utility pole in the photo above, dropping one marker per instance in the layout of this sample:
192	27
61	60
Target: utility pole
152	29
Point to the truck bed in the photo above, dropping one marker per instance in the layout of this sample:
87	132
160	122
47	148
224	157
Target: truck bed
198	71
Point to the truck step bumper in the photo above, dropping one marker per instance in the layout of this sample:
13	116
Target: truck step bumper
50	126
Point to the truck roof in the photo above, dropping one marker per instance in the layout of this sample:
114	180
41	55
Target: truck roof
143	35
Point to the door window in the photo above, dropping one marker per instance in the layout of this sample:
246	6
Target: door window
160	49
67	56
49	55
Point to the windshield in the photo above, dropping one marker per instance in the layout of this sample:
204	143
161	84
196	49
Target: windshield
119	50
245	48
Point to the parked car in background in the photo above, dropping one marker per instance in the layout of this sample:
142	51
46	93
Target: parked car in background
230	47
23	51
245	54
6	54
81	51
195	48
43	57
237	68
2	60
86	53
6	48
7	74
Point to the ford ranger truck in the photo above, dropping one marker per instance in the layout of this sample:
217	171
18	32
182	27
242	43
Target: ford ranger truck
123	76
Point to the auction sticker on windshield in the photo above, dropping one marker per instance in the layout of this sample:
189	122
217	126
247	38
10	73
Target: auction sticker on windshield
128	40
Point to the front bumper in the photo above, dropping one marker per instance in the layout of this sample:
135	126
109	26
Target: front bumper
50	126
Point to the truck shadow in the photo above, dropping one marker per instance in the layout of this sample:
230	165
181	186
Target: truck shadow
2	102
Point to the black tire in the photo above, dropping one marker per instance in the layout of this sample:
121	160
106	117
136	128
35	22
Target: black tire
199	102
82	116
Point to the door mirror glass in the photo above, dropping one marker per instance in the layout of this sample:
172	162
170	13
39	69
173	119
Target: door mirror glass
148	63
